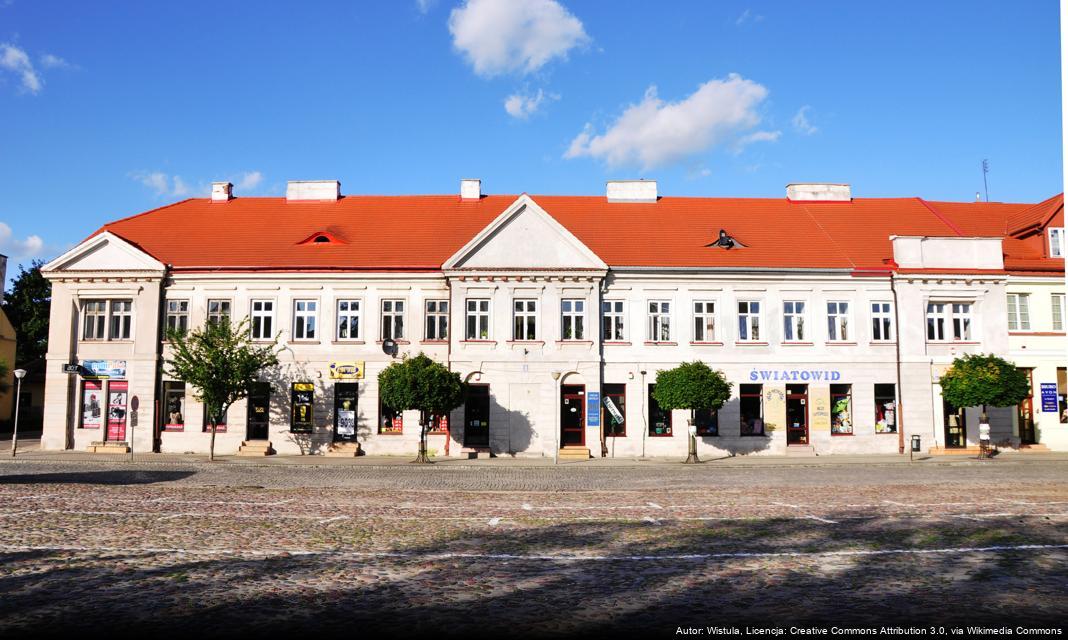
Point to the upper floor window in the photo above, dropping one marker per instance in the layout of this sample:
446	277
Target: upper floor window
121	320
478	320
1019	318
262	319
348	319
748	321
793	321
525	320
393	319
704	321
305	319
1058	311
1056	242
94	319
949	321
881	322
437	319
838	321
612	320
218	311
573	314
178	315
659	321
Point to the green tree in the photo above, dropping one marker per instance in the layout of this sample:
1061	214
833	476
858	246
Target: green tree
423	385
978	380
27	307
694	386
220	362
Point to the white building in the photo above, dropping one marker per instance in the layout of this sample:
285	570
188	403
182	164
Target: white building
832	316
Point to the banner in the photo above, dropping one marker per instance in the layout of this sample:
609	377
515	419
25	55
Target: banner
346	370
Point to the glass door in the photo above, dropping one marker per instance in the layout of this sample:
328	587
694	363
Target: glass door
345	411
476	416
259	411
797	414
954	425
572	415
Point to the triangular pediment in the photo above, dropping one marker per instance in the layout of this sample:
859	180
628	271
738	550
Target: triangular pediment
525	237
104	252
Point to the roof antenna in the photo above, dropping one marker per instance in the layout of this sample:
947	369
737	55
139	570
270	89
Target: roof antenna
986	170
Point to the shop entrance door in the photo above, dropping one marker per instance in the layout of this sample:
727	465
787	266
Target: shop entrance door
797	414
954	426
1025	414
345	411
476	416
117	394
573	415
259	411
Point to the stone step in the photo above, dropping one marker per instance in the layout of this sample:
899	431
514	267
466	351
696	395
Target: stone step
1033	448
575	453
255	448
472	453
801	450
108	447
343	450
954	451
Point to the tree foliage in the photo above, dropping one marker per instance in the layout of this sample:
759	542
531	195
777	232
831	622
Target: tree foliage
420	384
976	380
27	306
691	385
220	362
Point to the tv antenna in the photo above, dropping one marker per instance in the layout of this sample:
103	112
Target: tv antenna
986	170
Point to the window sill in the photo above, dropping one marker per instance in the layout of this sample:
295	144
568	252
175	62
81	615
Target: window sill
391	433
173	428
400	342
656	343
347	341
886	433
750	343
537	343
661	435
478	342
705	344
885	343
578	342
839	343
435	342
950	343
1036	333
798	344
841	435
304	342
115	341
616	344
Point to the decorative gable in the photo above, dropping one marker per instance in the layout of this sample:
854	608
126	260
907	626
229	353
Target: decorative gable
104	252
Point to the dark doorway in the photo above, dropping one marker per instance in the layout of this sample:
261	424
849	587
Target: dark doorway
573	415
954	425
797	414
345	411
259	411
1026	413
476	416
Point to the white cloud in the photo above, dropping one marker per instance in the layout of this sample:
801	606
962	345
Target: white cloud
177	187
425	5
747	16
18	62
801	123
49	61
502	36
654	133
248	181
161	183
30	247
522	106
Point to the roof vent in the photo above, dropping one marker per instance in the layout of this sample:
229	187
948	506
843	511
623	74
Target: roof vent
631	190
313	190
470	189
222	191
818	192
726	241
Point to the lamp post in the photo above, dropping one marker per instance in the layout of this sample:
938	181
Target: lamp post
556	420
19	375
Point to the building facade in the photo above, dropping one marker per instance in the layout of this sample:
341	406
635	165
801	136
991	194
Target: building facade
832	316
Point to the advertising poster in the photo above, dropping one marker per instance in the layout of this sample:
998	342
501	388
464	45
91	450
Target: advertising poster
345	411
117	411
303	394
92	404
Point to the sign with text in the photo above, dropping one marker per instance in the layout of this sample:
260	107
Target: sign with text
593	408
346	370
114	369
1049	397
794	375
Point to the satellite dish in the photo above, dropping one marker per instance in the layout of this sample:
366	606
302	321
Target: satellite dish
389	346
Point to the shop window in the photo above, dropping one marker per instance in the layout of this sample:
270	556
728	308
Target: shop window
393	319
220	426
659	419
178	316
390	421
262	319
1019	317
748	321
525	320
612	320
174	406
793	320
303	397
882	322
92	404
707	422
751	408
305	319
437	319
478	320
438	425
614	399
842	409
348	319
659	321
218	311
704	322
572	319
885	408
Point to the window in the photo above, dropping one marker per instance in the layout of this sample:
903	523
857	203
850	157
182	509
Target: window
885	408
793	321
1058	311
305	319
178	315
842	409
393	319
749	321
707	422
962	321
478	320
958	317
751	409
1056	242
303	400
390	422
881	322
1019	318
220	426
573	314
174	404
95	313
612	320
262	319
348	319
218	311
525	320
936	321
437	319
659	321
704	322
614	399
437	425
121	320
659	419
838	321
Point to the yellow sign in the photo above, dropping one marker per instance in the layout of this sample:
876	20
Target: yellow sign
346	370
819	399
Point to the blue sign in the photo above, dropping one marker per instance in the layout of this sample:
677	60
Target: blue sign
1049	397
593	408
115	369
794	375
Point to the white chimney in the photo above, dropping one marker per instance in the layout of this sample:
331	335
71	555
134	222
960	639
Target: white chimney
313	190
470	189
631	190
818	192
221	191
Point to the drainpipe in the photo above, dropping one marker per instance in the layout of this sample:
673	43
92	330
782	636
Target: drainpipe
897	360
161	323
645	411
448	361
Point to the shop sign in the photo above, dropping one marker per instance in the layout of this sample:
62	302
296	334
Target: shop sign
97	369
613	410
593	408
346	370
303	394
820	410
1049	397
794	375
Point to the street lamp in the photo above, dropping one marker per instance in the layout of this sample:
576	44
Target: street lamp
19	375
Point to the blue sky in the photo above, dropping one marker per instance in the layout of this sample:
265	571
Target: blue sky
108	109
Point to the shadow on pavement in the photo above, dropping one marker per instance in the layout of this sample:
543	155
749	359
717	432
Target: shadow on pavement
96	477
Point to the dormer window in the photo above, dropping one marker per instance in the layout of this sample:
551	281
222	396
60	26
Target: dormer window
725	241
1056	242
322	237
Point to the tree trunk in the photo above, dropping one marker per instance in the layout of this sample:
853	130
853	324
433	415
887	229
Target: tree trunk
422	458
691	457
211	447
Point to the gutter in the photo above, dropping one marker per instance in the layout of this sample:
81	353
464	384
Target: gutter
897	362
161	323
